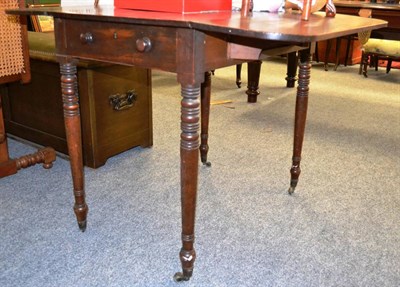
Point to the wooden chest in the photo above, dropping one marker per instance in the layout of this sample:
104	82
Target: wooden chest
34	111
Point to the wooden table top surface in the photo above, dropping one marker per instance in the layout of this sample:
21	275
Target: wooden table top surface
260	25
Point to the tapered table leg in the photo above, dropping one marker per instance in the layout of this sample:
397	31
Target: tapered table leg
190	113
72	119
300	116
291	69
253	74
205	117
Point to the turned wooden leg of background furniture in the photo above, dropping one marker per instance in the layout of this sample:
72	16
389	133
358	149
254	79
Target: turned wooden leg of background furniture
253	78
327	52
291	69
389	65
205	117
348	45
306	12
190	113
72	119
337	53
300	116
3	137
239	75
364	64
330	9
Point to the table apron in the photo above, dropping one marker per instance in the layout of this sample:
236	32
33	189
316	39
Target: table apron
122	43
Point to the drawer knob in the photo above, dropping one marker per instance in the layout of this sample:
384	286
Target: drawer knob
86	38
143	44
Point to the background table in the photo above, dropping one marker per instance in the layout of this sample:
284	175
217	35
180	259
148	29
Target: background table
387	12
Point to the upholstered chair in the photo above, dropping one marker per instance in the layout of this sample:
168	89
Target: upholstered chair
376	49
379	49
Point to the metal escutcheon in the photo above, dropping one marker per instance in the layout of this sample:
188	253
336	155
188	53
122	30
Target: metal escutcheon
125	101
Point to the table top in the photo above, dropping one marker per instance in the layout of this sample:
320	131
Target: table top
260	25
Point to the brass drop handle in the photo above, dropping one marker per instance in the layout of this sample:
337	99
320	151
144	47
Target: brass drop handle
125	101
143	44
86	38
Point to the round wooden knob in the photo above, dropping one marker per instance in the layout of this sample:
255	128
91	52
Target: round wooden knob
143	44
86	38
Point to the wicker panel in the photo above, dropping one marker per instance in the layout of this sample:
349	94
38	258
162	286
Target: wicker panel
11	47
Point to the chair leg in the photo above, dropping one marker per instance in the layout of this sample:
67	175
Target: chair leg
11	166
3	138
388	66
364	63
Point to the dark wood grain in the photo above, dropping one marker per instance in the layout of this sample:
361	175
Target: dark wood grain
258	25
189	45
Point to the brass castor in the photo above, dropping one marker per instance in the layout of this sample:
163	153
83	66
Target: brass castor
207	163
180	277
82	225
293	184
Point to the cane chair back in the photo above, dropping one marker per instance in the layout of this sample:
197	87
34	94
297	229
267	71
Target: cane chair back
14	54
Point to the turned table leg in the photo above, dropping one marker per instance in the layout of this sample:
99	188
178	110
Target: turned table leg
300	116
205	117
253	75
291	69
190	113
72	119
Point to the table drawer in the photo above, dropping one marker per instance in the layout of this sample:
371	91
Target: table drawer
144	46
